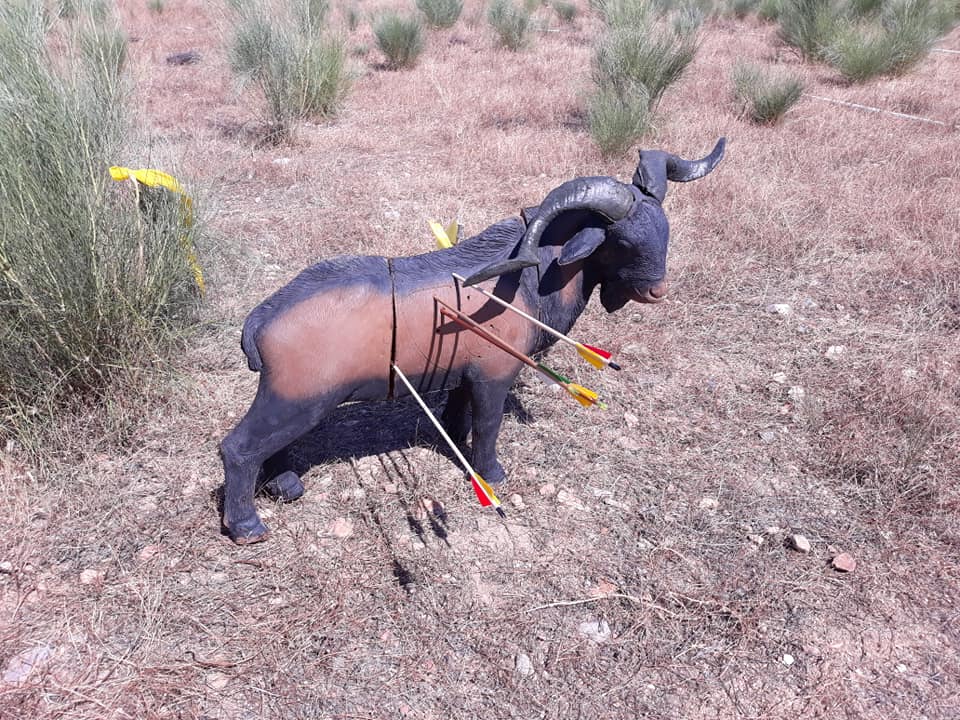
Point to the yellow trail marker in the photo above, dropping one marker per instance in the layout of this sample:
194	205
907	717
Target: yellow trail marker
159	179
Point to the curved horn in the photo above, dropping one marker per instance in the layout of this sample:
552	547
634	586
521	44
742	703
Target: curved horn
656	167
603	195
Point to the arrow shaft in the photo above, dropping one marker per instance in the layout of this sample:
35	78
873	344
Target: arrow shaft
503	303
480	485
469	323
546	373
597	359
436	423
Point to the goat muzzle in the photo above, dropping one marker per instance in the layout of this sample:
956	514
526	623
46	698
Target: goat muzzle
652	294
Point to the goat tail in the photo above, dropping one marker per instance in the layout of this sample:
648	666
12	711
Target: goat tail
248	342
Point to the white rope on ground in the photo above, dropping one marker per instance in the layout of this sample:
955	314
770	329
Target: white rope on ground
952	52
868	108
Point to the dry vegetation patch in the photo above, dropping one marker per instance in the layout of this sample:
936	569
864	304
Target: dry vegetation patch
644	572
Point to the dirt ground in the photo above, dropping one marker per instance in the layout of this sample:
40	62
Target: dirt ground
643	569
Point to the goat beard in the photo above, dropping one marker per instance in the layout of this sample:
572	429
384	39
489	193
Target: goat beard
613	297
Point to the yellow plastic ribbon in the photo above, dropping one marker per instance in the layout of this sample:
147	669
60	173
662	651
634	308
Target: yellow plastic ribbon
159	179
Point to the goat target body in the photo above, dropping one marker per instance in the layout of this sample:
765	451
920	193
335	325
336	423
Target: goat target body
331	335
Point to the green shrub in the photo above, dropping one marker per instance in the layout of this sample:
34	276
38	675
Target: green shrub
616	120
399	38
565	10
627	13
742	8
653	55
89	286
67	9
809	25
641	54
768	9
104	47
311	15
156	6
763	96
301	71
864	8
511	22
353	18
441	13
889	44
866	38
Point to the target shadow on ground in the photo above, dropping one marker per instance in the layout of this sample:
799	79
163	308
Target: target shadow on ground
386	430
360	430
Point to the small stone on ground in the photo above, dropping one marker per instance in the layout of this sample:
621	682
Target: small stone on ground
596	630
524	665
844	562
341	528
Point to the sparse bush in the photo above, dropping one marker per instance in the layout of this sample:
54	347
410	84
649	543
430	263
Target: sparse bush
156	6
763	96
864	8
701	8
441	13
311	15
104	47
511	22
889	44
399	38
565	10
616	120
300	70
635	61
89	286
768	9
653	55
809	25
742	8
353	18
67	9
626	13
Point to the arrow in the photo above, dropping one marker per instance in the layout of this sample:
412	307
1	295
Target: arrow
581	394
446	236
595	356
485	493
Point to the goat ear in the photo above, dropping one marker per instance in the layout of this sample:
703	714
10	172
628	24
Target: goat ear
581	245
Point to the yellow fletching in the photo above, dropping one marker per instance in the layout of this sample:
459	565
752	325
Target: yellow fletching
487	489
443	240
157	178
584	396
446	236
591	357
453	230
150	178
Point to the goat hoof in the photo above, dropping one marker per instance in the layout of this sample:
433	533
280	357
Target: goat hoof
249	532
285	486
494	474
